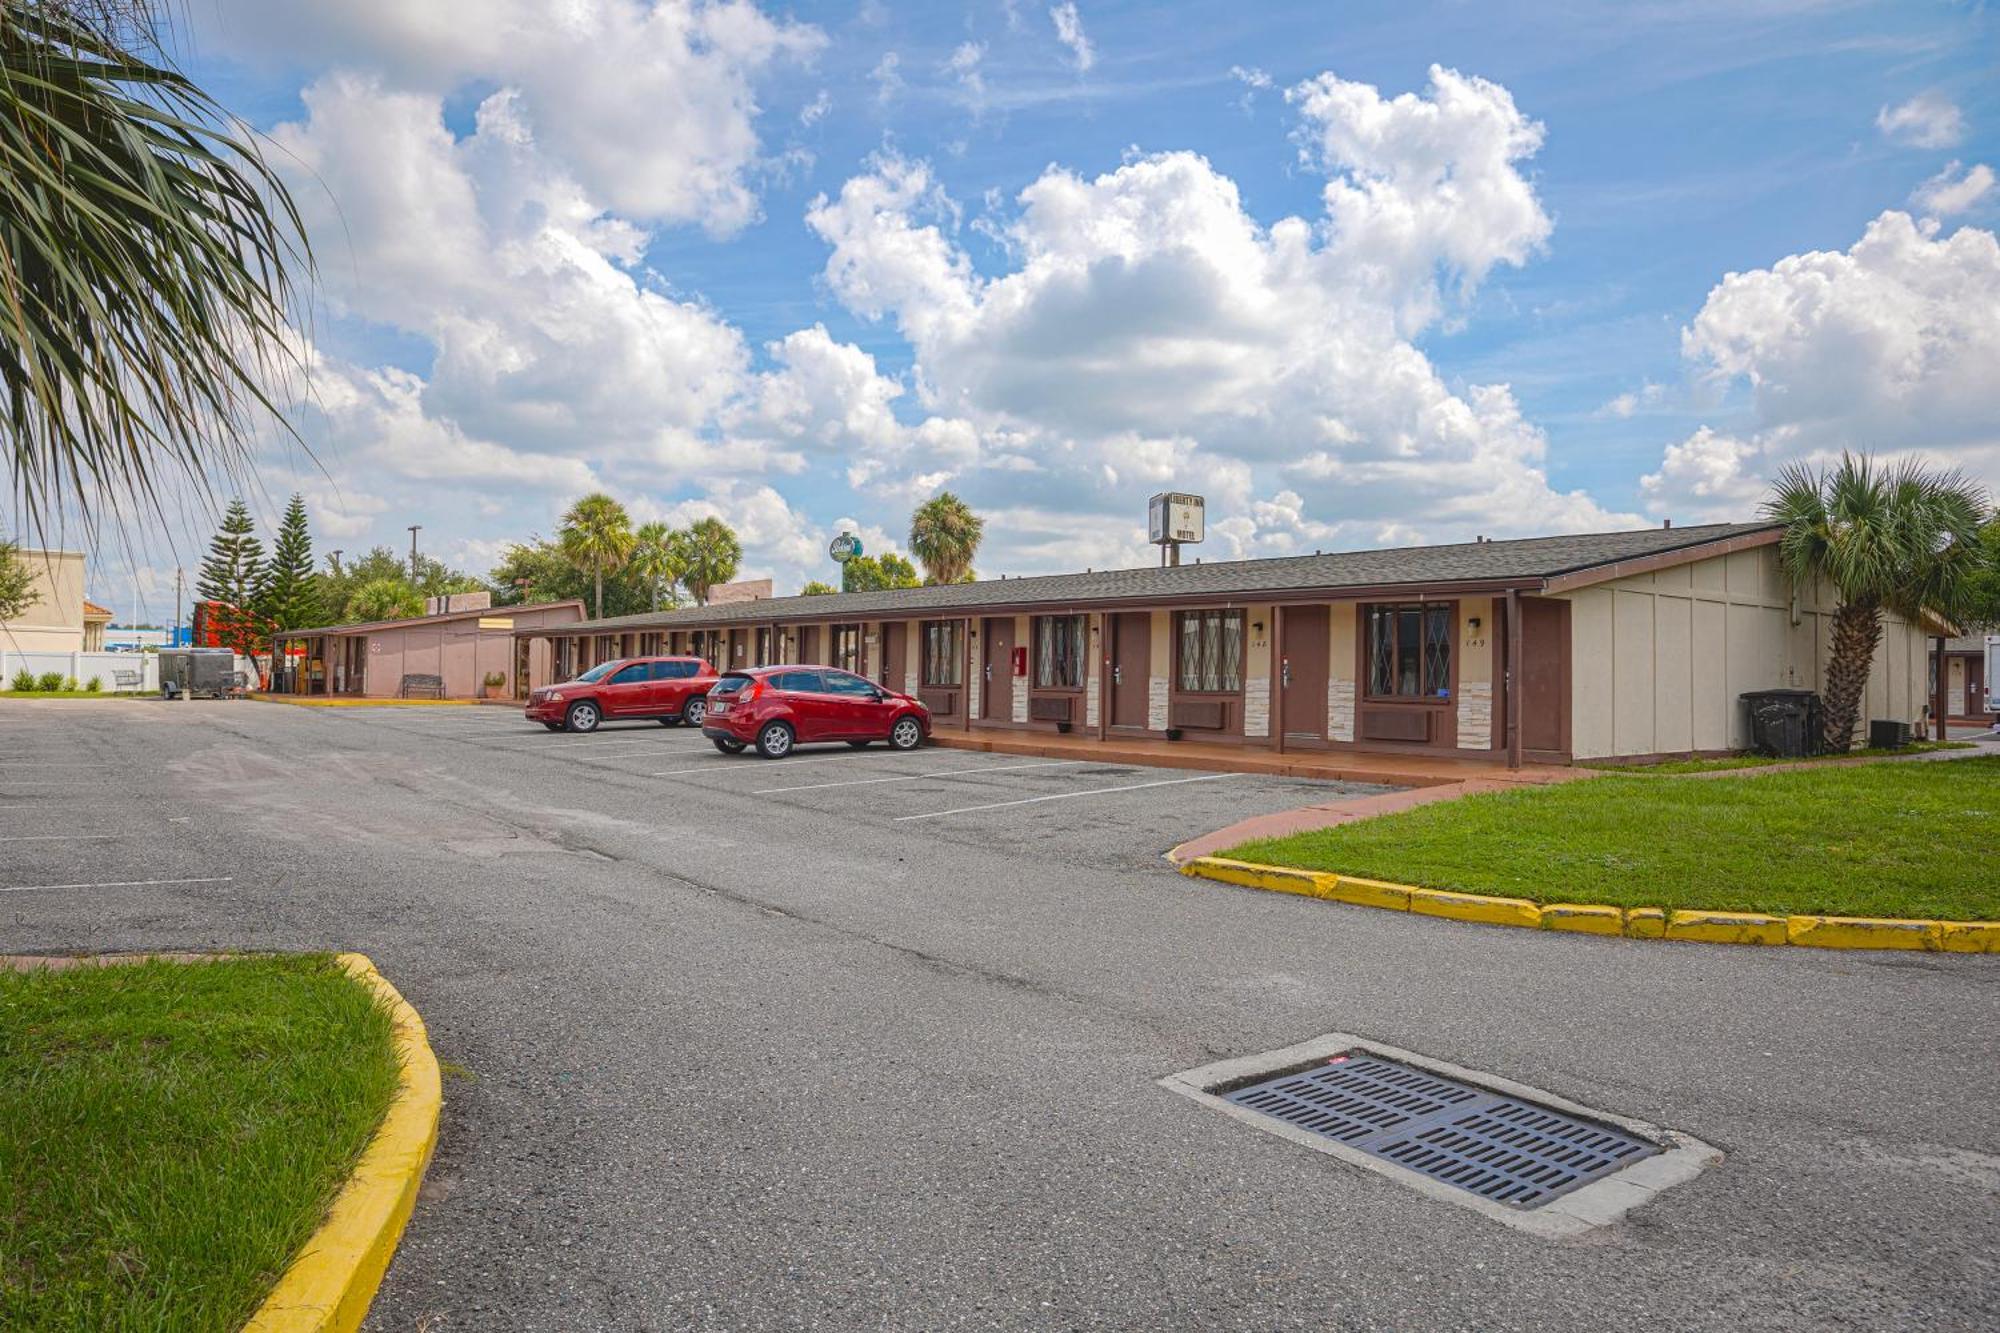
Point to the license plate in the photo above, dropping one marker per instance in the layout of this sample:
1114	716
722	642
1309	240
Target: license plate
716	709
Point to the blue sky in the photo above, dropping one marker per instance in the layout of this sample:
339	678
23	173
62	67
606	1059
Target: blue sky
1057	275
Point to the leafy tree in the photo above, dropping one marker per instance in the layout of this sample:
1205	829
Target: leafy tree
713	554
659	557
871	573
434	579
596	535
816	588
1984	614
384	599
1903	540
146	262
538	571
944	535
17	582
234	569
290	595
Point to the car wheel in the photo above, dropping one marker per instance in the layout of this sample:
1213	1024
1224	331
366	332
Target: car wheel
553	726
859	745
582	717
694	712
907	734
775	741
727	746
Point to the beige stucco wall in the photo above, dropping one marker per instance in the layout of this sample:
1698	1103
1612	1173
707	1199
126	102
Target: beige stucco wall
1657	661
54	623
1257	670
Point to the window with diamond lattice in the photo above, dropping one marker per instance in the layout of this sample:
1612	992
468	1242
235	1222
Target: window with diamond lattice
1409	650
1210	651
1059	652
941	653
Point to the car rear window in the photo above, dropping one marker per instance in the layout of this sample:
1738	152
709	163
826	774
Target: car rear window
730	685
799	682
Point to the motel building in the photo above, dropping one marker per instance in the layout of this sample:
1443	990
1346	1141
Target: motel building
448	654
1548	649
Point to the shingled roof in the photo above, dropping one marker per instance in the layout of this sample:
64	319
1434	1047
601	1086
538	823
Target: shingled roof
1412	566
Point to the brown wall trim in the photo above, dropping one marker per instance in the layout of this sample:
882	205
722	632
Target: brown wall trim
1686	555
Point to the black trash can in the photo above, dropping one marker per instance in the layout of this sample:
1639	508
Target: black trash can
1784	723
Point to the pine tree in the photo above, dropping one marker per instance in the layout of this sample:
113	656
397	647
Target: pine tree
290	595
235	563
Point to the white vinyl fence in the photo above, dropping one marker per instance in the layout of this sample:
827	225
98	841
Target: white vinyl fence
105	666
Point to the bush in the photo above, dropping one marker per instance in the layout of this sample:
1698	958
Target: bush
51	681
93	685
494	680
24	681
69	684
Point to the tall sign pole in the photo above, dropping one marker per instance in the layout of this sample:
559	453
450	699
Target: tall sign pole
1173	517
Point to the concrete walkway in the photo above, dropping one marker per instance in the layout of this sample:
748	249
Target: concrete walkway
1390	770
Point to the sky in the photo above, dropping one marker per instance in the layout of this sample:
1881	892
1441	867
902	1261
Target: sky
1359	273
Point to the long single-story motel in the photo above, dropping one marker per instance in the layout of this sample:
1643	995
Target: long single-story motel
1548	649
456	649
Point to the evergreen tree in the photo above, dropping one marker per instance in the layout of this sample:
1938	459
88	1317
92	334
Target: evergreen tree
235	565
290	592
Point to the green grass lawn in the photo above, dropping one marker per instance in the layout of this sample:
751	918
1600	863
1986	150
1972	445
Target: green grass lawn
171	1133
1676	766
1899	840
79	694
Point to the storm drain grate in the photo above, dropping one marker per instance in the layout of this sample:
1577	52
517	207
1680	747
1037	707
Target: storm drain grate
1497	1147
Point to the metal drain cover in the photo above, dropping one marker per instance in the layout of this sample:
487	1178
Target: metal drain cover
1497	1147
1521	1156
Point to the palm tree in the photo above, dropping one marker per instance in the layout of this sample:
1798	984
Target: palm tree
944	535
1904	540
712	554
658	557
147	257
384	599
596	535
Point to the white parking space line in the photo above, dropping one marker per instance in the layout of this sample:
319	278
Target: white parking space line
63	837
919	777
715	764
1067	796
115	884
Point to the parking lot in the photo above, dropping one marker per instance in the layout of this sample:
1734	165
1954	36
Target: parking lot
864	1039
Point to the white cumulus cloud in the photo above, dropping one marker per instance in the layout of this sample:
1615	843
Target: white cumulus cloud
1954	190
1928	120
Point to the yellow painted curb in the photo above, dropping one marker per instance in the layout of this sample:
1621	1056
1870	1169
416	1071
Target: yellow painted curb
331	1283
321	701
1475	907
1639	923
1727	927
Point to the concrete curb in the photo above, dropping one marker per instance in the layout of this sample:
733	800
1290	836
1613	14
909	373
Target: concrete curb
331	1283
321	701
1639	923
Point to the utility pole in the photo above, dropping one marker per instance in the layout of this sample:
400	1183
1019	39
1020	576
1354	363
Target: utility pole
334	556
415	528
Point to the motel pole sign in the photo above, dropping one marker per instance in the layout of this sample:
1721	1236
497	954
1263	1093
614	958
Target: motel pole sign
1173	517
845	547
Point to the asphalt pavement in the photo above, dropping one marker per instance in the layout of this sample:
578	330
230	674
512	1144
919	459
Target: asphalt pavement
863	1040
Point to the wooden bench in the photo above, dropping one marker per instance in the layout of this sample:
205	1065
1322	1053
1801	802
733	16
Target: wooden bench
126	680
421	687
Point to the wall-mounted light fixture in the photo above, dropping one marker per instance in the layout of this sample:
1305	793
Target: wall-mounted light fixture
1257	627
1472	622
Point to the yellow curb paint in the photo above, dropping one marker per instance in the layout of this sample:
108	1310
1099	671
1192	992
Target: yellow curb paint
1969	936
1861	932
1726	927
1369	893
1645	923
1639	923
1475	907
1584	918
331	1283
320	701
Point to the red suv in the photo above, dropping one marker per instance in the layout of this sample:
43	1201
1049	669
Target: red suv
669	689
777	707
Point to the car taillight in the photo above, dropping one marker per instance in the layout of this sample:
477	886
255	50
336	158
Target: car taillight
756	688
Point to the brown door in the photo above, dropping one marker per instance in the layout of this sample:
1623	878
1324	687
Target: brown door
895	644
996	687
809	644
1131	663
1545	676
1302	672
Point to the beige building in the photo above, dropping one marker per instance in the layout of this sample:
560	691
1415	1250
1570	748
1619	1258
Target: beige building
1556	649
450	654
61	619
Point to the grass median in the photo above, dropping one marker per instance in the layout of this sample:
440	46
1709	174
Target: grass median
1885	840
172	1133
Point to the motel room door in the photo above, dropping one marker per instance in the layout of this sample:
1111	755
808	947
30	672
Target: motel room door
1545	679
895	646
1303	670
996	687
1131	664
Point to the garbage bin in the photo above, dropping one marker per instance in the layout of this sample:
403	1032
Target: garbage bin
1784	723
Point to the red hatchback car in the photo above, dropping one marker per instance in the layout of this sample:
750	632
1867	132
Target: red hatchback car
778	707
669	689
